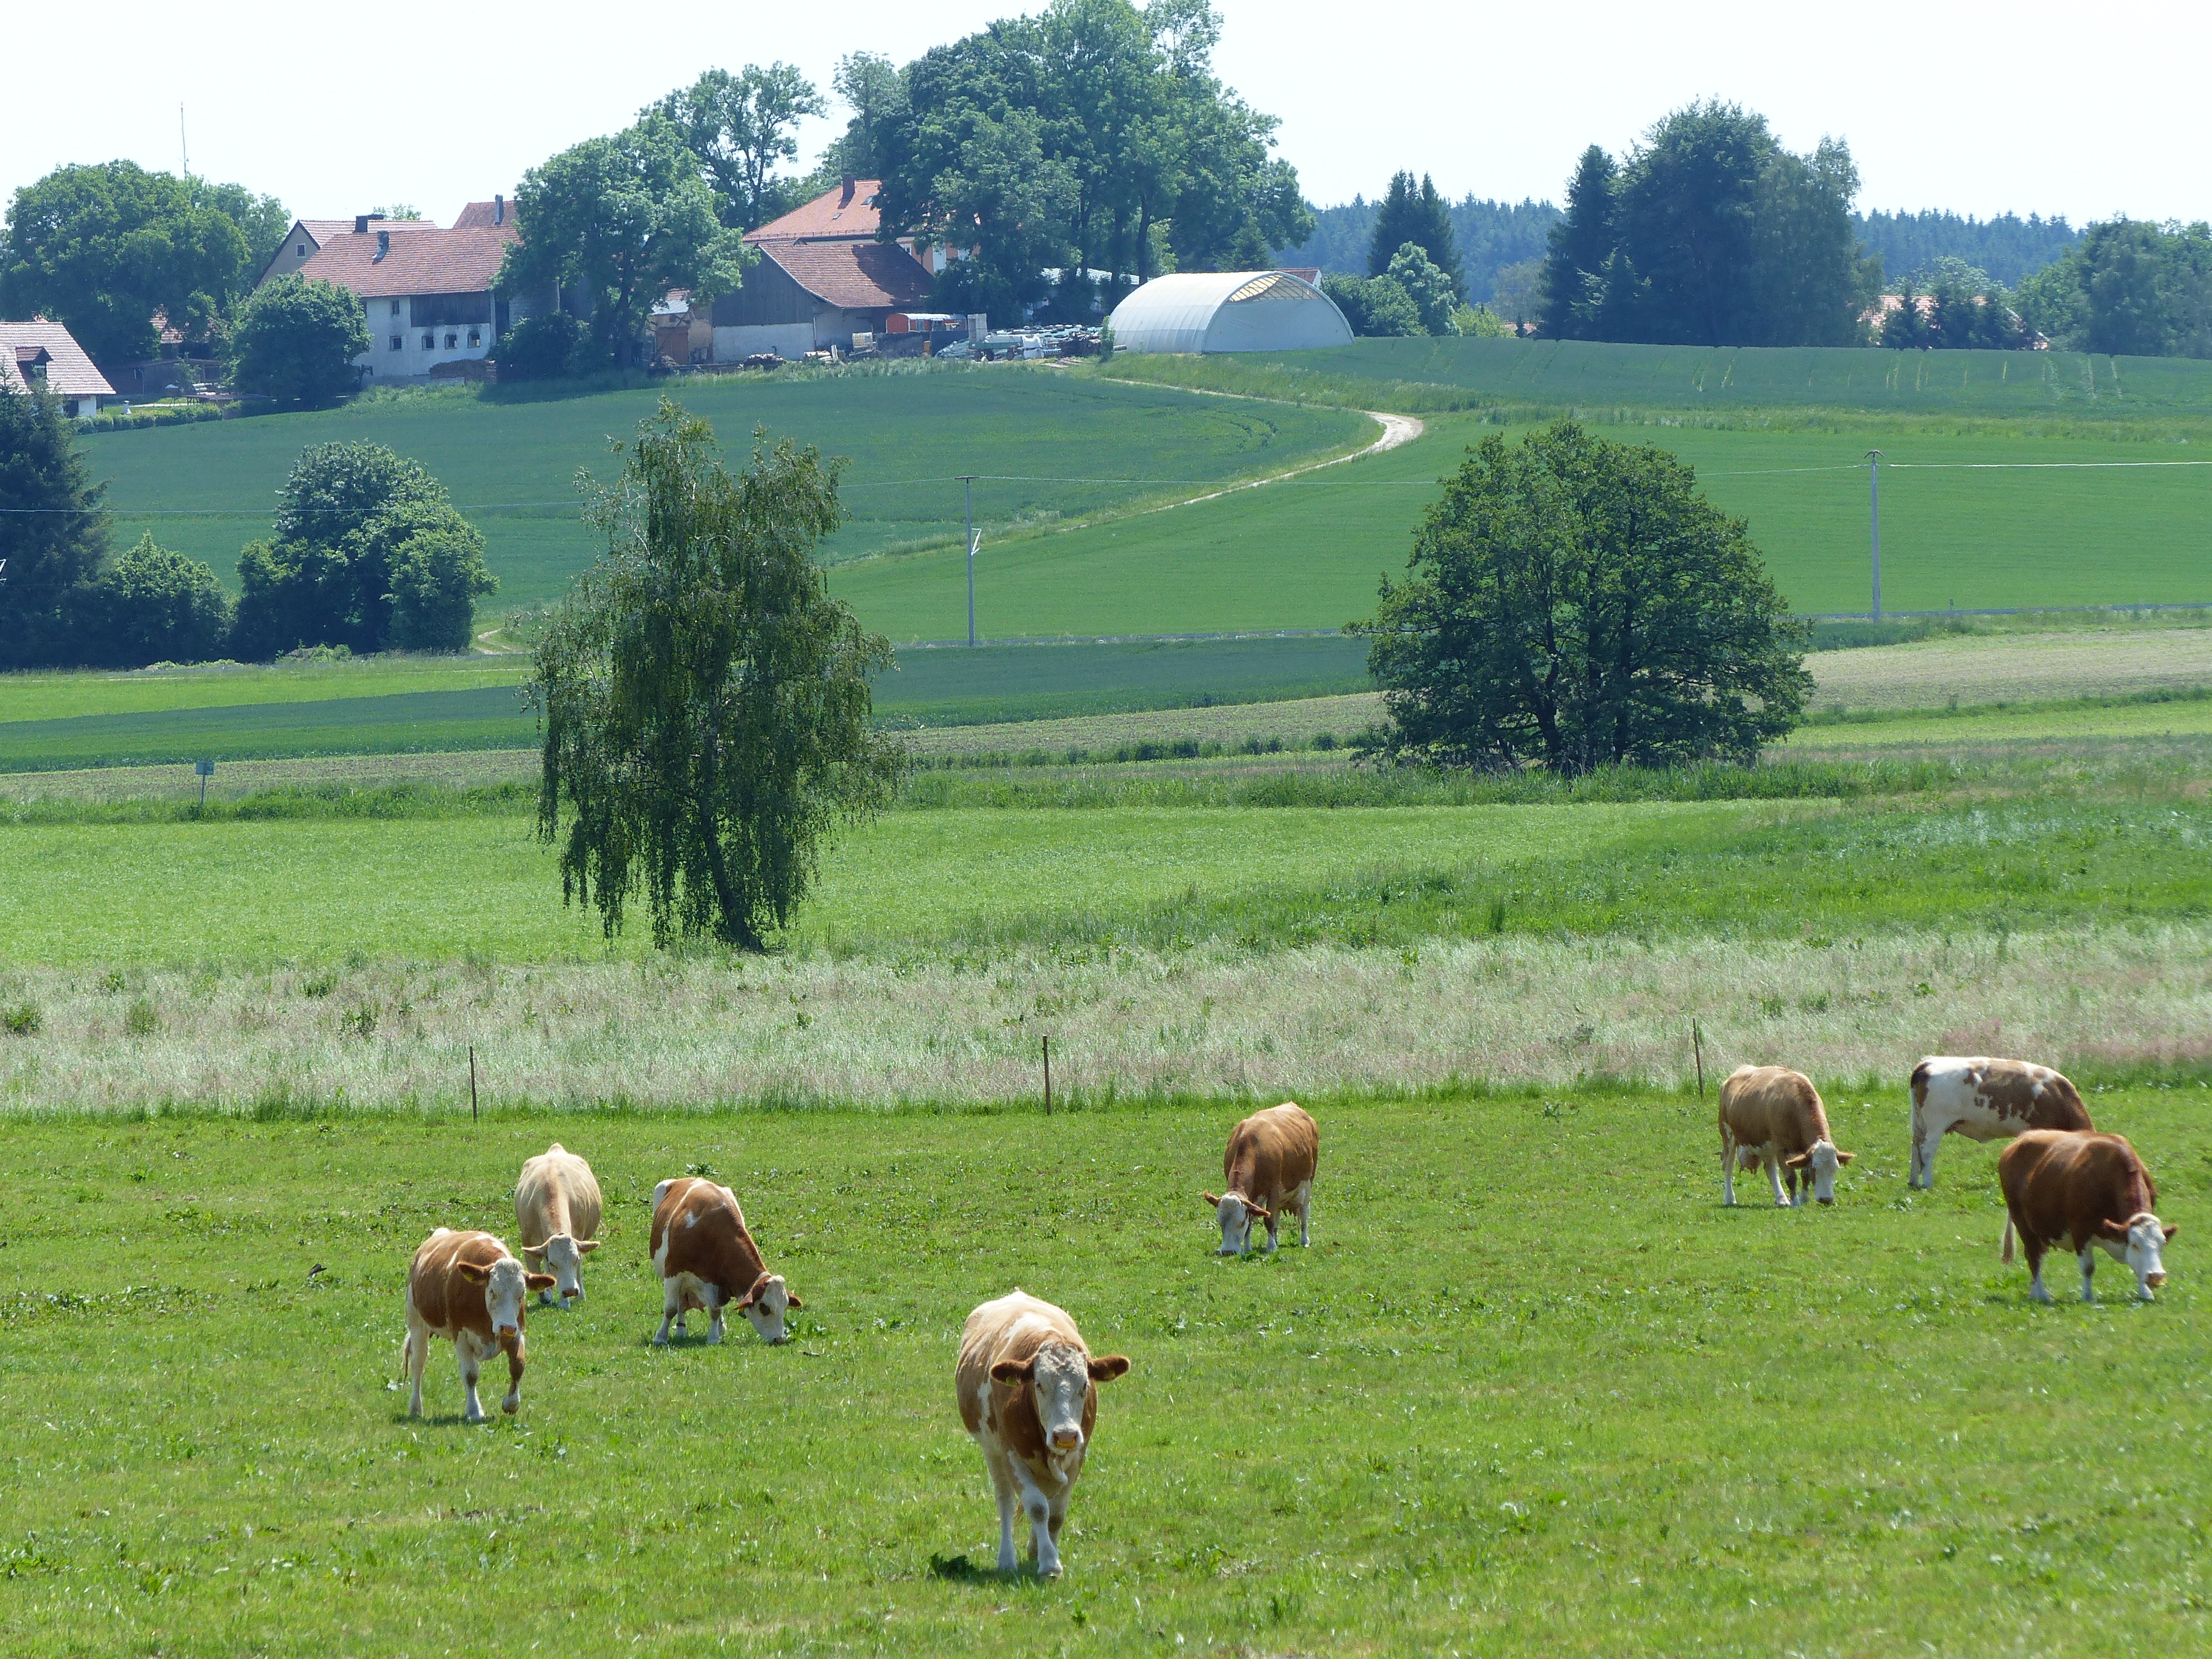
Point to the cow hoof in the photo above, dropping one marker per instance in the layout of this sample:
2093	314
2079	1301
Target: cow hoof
660	1338
512	1404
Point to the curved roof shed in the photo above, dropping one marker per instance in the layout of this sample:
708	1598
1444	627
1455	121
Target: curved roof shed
1228	311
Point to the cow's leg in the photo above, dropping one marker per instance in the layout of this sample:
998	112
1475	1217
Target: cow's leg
1727	1169
671	1303
1002	1488
1274	1222
1045	1550
418	1355
2089	1273
2034	1247
1305	1214
715	1305
1773	1159
464	1351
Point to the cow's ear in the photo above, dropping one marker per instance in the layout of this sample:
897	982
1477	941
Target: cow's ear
2174	1229
2116	1230
1212	1200
1257	1212
538	1281
1846	1158
585	1246
1106	1369
1011	1372
794	1300
1798	1162
752	1295
472	1273
531	1252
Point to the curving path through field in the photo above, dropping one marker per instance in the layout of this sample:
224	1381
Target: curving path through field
1397	431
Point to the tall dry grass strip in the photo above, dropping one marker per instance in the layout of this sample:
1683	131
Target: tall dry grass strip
1211	1023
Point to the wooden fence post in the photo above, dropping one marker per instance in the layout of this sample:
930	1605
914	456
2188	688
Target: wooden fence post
1697	1047
472	1084
1048	1076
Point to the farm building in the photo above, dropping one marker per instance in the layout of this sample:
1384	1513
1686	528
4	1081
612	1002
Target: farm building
43	354
1228	311
821	279
426	292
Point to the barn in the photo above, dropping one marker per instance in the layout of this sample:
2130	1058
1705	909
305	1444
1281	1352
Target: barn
1228	311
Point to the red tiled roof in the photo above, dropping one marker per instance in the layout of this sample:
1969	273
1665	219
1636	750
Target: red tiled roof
836	213
852	275
484	216
422	260
69	373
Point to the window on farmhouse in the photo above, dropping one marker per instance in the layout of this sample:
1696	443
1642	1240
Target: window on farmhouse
476	338
395	307
451	340
395	343
429	343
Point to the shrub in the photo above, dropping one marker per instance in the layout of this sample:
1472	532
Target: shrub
1427	286
541	348
22	1020
151	605
295	339
1375	306
437	577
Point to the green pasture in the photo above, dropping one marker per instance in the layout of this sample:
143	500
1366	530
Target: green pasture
2149	717
1440	373
1506	1402
1052	444
1083	876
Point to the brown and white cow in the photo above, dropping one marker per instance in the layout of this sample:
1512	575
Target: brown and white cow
1773	1116
1985	1099
1267	1167
707	1258
466	1287
556	1216
1028	1391
2089	1192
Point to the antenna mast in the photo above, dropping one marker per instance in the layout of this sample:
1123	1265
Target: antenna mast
183	148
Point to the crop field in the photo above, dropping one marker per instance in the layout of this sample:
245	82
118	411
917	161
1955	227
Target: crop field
1055	444
1506	1402
1431	373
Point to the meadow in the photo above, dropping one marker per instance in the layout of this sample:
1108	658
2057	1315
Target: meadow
1523	1394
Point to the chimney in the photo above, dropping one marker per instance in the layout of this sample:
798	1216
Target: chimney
361	222
383	244
498	209
846	200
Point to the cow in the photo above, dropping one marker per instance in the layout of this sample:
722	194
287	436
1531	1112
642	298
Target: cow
2089	1191
1985	1099
468	1287
1268	1165
1028	1392
707	1258
556	1216
1772	1115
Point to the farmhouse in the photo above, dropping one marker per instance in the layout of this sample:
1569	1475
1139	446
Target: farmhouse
1228	311
425	292
39	353
821	279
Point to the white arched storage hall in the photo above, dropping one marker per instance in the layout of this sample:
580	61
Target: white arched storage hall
1228	311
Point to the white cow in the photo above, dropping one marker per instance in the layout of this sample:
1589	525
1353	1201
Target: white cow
556	1216
1985	1099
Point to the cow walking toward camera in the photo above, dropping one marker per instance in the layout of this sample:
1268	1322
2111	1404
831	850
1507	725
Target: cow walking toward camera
1985	1099
468	1287
707	1258
2089	1192
1267	1168
556	1217
1772	1115
1028	1392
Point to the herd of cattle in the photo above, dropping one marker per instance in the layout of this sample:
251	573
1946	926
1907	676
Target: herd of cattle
1027	1384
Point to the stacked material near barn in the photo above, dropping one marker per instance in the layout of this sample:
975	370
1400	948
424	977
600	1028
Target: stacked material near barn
1228	311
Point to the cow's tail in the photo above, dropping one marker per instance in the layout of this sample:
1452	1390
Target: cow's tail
2004	1245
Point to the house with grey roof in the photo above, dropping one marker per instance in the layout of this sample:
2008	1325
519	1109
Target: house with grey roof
43	354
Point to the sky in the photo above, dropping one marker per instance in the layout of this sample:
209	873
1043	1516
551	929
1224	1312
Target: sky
1977	109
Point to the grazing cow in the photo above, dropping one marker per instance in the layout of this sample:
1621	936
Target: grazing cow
1985	1100
707	1258
2089	1191
466	1287
556	1215
1028	1390
1269	1164
1772	1115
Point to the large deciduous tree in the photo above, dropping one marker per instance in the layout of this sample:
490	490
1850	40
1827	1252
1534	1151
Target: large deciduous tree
102	249
53	529
627	218
296	340
1572	603
2129	287
742	127
151	604
705	708
368	553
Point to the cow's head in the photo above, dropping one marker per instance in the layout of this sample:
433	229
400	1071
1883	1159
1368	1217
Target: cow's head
766	1304
1237	1214
507	1287
1820	1161
1059	1375
2140	1241
564	1259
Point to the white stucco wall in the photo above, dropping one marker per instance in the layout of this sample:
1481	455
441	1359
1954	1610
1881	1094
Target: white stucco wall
791	340
412	358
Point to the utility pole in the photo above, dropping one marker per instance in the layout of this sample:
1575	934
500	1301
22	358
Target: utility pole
1874	481
968	488
183	148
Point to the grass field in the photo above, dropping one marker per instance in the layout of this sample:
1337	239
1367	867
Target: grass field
509	457
1505	1403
